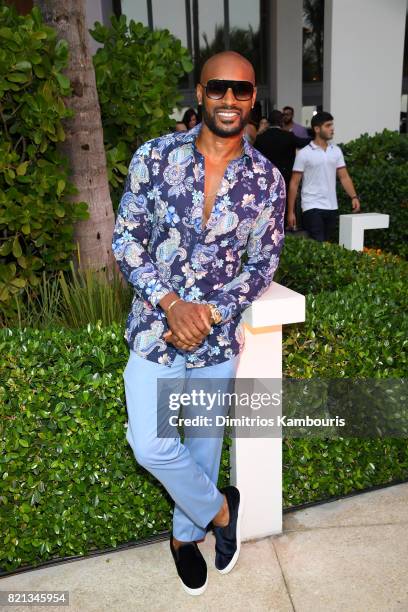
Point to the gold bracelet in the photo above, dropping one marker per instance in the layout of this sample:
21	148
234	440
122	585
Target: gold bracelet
172	304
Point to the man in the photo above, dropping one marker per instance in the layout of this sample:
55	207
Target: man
317	165
290	126
279	146
193	204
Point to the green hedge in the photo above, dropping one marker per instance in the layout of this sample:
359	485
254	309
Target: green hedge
309	267
357	331
378	166
70	481
36	214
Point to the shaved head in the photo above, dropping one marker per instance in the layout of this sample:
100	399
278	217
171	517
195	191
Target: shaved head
228	65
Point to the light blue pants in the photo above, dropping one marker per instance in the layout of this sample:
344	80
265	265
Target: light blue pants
189	470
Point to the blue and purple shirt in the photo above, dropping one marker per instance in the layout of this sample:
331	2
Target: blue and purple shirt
161	246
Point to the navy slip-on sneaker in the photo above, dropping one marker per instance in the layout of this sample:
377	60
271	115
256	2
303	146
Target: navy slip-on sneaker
191	567
228	539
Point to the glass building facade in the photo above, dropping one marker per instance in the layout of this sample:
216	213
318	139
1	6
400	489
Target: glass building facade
206	27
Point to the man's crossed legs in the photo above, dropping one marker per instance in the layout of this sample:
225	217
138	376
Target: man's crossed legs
189	470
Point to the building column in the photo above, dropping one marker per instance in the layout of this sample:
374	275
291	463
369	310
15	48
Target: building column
285	54
363	54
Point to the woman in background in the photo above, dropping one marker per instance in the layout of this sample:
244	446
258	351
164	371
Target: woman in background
190	118
263	125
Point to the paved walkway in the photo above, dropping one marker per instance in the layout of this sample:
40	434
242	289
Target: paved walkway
349	555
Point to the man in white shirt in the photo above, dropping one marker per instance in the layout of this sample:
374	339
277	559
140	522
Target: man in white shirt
317	165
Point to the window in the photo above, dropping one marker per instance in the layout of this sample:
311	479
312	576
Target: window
135	10
206	27
245	35
171	16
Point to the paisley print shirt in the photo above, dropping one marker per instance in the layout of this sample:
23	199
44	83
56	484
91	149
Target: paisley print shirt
161	246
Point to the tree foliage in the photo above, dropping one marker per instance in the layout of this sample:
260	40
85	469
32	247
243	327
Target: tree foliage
36	216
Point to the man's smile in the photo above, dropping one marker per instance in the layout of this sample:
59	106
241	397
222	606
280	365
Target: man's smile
228	115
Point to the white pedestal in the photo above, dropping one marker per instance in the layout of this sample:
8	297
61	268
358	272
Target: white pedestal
352	226
256	463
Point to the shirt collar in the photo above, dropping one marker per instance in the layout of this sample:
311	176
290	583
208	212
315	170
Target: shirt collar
314	146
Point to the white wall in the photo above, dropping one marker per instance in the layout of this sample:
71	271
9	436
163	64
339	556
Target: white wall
363	54
285	61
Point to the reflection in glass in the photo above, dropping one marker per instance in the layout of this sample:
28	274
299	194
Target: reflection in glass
208	28
170	16
214	25
313	29
245	34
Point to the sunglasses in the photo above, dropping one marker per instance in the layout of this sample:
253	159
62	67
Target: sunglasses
217	88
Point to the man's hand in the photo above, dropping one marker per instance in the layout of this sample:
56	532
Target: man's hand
169	336
348	187
292	220
189	322
292	193
355	203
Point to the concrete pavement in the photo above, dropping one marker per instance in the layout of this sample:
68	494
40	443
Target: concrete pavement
349	555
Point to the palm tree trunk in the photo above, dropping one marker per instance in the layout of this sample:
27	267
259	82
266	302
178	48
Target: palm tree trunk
83	145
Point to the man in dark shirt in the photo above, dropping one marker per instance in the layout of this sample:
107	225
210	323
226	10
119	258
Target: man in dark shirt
279	146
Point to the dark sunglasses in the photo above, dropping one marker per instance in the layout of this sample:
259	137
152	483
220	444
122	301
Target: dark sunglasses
217	88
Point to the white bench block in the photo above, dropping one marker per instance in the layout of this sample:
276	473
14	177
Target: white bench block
277	306
352	226
256	463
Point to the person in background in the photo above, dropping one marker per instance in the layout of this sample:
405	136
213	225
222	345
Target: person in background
317	166
263	125
251	128
190	118
180	127
279	146
290	126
